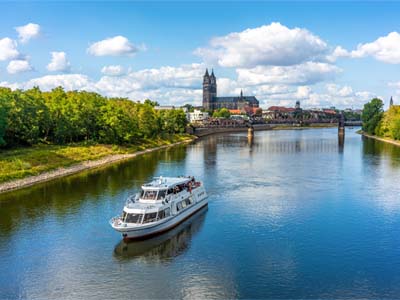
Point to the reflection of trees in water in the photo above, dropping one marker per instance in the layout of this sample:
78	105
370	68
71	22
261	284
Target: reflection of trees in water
61	196
377	149
164	247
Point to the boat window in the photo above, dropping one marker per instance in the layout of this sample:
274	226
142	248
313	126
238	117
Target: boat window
170	191
161	194
188	202
167	212
134	218
161	214
183	203
149	195
150	217
178	206
123	216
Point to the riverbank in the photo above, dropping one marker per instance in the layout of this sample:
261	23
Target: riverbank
21	168
386	140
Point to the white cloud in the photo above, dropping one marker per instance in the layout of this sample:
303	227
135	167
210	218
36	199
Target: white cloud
68	81
114	46
174	85
340	97
8	49
59	62
18	66
338	52
27	32
270	45
386	49
302	74
114	70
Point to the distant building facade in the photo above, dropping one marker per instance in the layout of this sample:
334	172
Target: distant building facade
197	116
211	101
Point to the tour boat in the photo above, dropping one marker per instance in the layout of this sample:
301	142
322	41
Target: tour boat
161	205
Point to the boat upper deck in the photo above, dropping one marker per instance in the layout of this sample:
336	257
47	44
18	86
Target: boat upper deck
166	182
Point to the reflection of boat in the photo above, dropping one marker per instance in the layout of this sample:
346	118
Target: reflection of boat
164	246
162	204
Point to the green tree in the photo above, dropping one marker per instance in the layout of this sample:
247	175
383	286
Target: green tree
222	113
151	103
371	115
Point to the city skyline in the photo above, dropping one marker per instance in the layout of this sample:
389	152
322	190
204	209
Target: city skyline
323	54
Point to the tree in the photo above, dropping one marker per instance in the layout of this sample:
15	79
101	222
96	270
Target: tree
372	114
151	103
222	113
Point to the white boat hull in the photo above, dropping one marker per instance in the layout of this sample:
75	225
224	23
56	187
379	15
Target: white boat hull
162	226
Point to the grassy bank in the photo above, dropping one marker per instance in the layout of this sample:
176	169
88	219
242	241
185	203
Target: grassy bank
378	138
24	162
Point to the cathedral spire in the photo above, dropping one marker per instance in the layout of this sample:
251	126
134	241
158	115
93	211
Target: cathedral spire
241	94
206	73
391	101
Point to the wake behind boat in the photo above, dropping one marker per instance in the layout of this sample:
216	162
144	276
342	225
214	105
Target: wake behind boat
162	204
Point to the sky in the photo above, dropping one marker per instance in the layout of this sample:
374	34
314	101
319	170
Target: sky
322	54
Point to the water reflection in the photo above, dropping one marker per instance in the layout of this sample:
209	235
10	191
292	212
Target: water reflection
162	248
340	143
376	150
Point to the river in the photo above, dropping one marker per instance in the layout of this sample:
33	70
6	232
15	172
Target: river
291	214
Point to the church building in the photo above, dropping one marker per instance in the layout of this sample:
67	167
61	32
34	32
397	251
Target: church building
212	102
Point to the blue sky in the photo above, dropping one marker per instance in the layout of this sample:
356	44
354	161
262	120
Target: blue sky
279	51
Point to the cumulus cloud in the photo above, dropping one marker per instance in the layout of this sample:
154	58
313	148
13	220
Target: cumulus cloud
113	70
59	62
302	74
8	49
68	81
174	85
338	52
339	96
386	49
28	32
114	46
18	66
270	45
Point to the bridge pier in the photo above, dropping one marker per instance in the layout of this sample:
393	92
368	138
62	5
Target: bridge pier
341	125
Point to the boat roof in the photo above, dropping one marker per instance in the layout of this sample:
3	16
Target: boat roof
129	207
166	182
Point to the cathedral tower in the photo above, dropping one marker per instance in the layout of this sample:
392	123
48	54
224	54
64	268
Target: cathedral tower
209	90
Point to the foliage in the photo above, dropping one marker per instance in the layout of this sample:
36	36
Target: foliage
372	115
352	116
389	126
222	113
32	116
189	107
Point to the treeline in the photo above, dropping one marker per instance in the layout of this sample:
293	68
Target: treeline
380	123
32	116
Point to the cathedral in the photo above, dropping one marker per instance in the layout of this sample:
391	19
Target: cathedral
212	102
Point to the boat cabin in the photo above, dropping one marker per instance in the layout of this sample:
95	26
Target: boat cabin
153	202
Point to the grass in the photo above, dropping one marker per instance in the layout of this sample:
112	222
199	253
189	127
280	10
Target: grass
29	161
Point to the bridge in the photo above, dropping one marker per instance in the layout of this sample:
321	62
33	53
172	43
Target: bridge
210	129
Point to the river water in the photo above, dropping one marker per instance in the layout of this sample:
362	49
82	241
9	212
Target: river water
292	214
